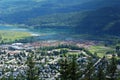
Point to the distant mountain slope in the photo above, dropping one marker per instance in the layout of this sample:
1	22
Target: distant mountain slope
101	21
59	19
84	16
19	11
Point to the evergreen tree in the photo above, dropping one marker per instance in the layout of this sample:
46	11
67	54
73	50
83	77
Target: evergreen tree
69	68
3	78
89	70
20	77
118	78
112	68
64	70
32	72
100	73
74	69
11	77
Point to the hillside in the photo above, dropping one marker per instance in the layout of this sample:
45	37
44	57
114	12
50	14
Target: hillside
18	12
83	16
101	21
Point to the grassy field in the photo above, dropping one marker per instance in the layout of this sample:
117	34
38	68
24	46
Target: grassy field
100	50
11	36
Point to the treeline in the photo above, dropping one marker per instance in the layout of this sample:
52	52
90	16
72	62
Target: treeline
72	47
65	46
105	69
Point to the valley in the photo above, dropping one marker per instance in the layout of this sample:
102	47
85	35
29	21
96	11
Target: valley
39	33
50	37
59	40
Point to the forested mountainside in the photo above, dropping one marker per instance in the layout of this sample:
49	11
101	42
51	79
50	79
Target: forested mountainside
101	21
85	16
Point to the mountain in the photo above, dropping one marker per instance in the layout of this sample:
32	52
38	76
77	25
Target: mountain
16	11
96	17
101	21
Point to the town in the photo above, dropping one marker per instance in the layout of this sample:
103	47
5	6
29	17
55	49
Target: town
47	54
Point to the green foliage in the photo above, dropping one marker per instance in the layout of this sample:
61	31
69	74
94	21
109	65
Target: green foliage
112	67
69	68
97	22
11	36
75	72
3	78
70	19
101	50
32	72
101	74
89	71
11	77
64	68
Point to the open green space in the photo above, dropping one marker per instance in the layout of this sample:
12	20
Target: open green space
100	50
11	36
